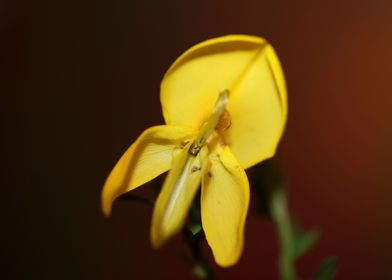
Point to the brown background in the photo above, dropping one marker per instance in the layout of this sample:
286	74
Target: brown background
80	80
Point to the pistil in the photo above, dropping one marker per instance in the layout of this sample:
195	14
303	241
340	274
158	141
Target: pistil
209	126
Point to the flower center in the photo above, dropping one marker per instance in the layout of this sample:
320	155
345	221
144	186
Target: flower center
219	120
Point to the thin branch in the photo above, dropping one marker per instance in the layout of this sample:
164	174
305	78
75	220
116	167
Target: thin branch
281	217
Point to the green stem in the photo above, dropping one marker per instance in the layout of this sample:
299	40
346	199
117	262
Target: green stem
281	218
194	235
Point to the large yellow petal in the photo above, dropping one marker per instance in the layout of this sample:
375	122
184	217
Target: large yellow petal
248	67
190	87
258	110
224	206
177	194
149	156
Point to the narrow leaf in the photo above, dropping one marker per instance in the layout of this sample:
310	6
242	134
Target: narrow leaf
326	270
303	242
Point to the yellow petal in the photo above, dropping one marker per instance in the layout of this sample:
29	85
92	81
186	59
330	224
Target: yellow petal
224	205
149	156
248	67
177	194
258	111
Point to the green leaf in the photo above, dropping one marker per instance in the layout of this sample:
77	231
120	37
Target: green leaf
195	229
326	270
303	242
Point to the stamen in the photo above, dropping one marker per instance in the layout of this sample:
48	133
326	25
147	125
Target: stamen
208	127
224	121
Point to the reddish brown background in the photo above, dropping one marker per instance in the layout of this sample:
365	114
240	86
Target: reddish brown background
80	80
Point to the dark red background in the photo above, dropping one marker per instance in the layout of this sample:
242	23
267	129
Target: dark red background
80	81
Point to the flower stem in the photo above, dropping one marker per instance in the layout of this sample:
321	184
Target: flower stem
281	217
194	236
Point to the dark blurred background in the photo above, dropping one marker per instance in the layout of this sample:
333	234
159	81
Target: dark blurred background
80	81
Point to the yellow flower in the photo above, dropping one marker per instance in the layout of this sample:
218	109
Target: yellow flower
224	104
